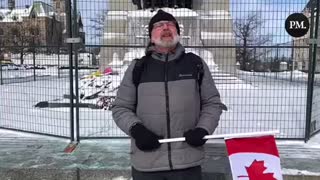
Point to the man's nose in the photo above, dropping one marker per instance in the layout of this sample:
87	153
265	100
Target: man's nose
165	26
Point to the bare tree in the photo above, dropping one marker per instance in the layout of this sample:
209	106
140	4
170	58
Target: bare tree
246	33
98	24
22	37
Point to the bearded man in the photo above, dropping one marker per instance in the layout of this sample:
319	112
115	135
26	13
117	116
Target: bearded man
167	93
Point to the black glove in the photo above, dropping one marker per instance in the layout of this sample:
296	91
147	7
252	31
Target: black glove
194	137
145	139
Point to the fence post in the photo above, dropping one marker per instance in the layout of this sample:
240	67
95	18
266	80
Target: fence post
59	62
70	47
76	47
34	64
1	80
311	68
292	61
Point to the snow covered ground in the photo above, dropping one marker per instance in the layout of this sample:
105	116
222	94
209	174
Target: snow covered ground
264	101
53	59
296	76
17	103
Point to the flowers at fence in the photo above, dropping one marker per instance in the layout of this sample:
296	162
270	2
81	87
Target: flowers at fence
99	88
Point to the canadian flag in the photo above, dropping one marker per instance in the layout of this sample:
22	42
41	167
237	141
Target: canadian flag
254	158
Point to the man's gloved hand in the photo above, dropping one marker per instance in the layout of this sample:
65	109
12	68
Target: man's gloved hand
145	139
194	137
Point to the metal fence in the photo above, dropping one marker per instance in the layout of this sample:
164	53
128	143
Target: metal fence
62	61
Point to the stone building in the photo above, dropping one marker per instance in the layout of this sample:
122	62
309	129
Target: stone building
301	57
41	22
38	21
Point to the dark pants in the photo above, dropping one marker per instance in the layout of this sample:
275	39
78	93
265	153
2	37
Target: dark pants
193	173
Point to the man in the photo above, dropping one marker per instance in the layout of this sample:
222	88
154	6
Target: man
168	102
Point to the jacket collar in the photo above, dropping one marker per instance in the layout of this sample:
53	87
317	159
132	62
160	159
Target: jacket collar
178	51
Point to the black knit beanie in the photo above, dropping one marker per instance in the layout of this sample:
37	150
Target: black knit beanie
162	16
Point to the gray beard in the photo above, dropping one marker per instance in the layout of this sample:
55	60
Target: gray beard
167	44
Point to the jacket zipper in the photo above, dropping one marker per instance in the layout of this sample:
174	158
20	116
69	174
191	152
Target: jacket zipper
167	109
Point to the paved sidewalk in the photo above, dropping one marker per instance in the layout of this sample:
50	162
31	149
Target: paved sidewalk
33	157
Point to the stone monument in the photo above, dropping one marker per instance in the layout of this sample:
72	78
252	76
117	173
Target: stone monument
206	25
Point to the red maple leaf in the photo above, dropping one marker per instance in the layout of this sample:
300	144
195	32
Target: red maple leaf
255	171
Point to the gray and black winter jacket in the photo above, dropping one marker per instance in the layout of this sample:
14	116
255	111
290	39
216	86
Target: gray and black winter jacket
168	103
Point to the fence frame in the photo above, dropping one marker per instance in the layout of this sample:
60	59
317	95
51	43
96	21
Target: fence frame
73	48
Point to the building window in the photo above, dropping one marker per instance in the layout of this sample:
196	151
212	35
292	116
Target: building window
15	18
33	15
15	31
35	31
57	5
1	32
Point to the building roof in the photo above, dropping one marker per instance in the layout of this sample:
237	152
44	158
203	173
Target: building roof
38	8
15	15
310	4
42	9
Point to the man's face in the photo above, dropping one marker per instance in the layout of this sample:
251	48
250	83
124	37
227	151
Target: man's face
164	34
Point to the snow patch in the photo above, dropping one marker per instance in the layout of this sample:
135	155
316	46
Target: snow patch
299	172
216	35
181	12
53	59
119	178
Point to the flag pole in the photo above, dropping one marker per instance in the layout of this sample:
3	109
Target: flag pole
225	136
